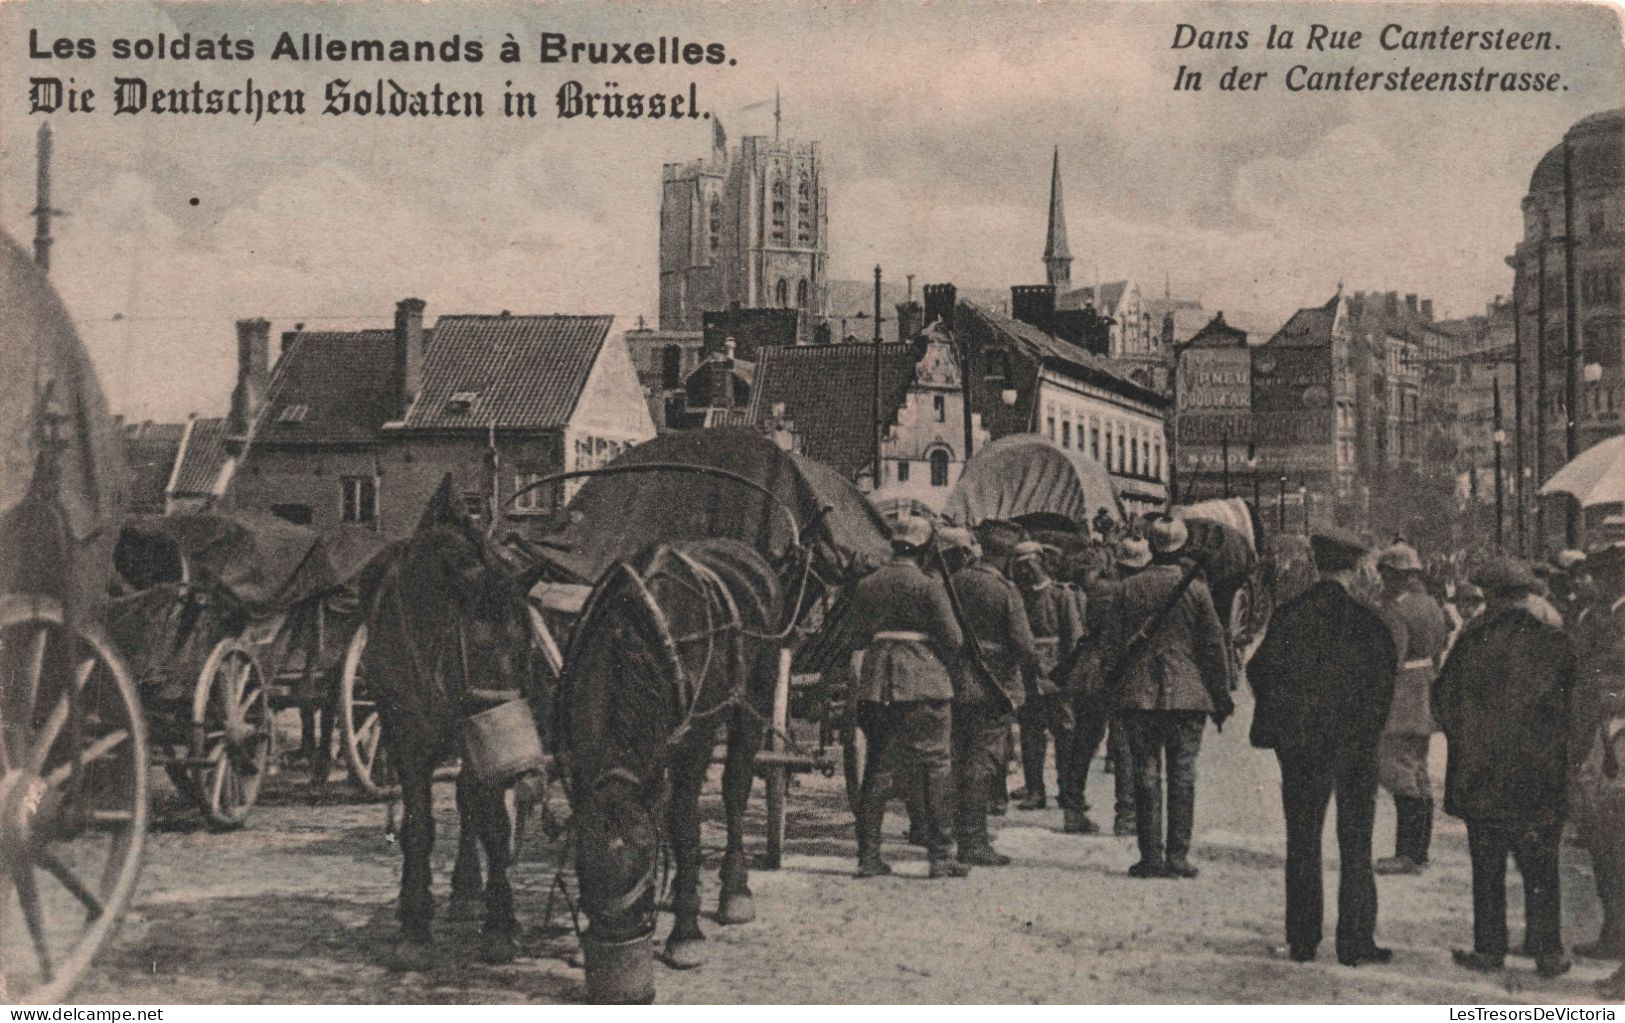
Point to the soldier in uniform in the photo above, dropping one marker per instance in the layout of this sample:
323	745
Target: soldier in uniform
997	622
904	620
1175	678
1596	743
1421	633
1055	613
1323	680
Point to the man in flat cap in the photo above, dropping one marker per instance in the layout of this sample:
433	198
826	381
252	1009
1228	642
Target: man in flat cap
1323	680
1596	743
997	621
1421	633
902	617
1174	674
1502	699
1055	613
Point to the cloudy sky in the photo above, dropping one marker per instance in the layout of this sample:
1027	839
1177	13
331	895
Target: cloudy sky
937	121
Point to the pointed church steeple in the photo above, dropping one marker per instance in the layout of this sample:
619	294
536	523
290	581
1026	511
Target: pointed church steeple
1057	260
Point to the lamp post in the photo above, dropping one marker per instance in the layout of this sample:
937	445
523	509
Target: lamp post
1252	470
1303	499
1224	457
1280	508
1499	437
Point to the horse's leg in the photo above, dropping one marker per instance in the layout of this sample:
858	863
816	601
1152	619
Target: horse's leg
321	764
491	811
417	842
466	883
683	820
735	905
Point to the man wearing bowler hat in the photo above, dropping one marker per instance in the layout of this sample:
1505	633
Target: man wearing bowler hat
1173	673
1323	680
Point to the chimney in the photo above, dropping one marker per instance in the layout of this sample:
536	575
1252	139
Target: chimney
939	304
908	320
288	337
1391	304
1033	304
1427	309
253	373
1410	303
409	351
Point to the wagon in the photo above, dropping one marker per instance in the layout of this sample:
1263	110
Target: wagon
232	617
73	756
1224	535
725	482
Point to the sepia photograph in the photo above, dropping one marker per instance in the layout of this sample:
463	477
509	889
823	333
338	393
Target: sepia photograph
796	502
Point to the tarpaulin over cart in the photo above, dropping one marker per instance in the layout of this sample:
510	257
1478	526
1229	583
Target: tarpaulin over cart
259	561
616	515
1026	477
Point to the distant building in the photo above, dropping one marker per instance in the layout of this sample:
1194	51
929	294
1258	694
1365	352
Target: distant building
1213	397
1574	215
150	451
356	429
748	228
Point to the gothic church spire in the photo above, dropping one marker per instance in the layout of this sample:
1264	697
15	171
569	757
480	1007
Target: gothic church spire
1057	260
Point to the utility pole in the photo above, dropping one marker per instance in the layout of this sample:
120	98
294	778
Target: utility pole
1499	437
1517	417
875	363
1542	413
1571	332
43	210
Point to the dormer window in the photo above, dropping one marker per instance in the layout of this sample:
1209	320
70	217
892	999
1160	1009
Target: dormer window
293	414
459	404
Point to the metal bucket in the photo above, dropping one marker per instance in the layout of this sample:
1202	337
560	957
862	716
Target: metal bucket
619	972
502	742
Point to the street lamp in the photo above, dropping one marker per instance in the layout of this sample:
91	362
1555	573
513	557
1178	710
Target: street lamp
1252	470
1303	499
1224	455
1499	436
1280	507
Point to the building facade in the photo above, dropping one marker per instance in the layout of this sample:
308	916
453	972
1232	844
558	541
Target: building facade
748	227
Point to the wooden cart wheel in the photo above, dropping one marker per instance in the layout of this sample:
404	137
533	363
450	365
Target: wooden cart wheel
73	797
778	776
361	727
231	729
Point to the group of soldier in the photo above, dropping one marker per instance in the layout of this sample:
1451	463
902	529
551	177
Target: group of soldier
1522	668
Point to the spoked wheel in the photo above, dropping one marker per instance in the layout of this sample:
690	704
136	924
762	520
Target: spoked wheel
231	730
361	726
73	797
854	754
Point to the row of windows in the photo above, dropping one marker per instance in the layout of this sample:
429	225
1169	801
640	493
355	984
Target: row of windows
805	228
781	293
1132	455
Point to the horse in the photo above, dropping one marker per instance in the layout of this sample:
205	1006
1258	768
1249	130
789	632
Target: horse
448	631
674	643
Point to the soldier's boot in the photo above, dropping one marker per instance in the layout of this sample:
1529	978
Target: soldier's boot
1148	818
1077	822
871	816
1424	832
944	803
1407	818
1181	824
1034	745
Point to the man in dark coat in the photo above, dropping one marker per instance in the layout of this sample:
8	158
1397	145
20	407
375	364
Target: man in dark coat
1502	700
903	620
1323	680
997	621
1596	745
1176	672
1055	613
1421	633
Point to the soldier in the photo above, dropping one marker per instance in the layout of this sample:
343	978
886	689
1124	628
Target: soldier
1175	672
1420	635
905	620
1599	705
1323	679
997	622
1055	613
1502	699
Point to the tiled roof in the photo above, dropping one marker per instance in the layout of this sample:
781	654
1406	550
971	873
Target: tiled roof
1218	334
331	387
1065	355
514	372
149	458
1111	293
1308	328
828	393
202	455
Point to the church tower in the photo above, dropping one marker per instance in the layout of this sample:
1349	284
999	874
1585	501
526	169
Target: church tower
1057	260
748	226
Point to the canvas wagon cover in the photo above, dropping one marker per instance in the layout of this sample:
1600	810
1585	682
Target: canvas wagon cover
47	369
1024	474
260	561
613	517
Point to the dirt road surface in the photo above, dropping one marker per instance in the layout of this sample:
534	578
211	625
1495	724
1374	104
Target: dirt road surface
299	907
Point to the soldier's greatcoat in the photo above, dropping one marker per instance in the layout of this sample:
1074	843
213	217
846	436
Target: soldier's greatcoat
903	618
997	619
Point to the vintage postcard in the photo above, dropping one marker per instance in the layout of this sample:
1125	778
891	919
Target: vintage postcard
805	502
